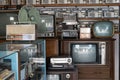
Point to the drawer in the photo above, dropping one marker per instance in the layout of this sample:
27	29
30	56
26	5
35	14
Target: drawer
94	73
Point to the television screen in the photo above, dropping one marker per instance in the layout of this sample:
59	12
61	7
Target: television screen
7	18
85	53
103	29
46	28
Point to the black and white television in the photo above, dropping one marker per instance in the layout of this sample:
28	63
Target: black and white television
88	53
103	29
46	27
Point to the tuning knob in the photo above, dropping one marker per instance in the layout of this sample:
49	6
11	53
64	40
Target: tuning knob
68	76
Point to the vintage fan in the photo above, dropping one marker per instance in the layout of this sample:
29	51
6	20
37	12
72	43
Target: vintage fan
29	14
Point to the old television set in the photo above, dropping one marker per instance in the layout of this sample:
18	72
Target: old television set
103	29
47	26
7	18
88	52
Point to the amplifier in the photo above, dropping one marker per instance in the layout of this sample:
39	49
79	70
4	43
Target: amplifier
69	33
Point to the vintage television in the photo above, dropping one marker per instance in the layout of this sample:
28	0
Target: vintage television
88	52
103	29
7	18
47	26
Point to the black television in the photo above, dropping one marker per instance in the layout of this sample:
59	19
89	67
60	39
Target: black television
85	53
46	27
5	19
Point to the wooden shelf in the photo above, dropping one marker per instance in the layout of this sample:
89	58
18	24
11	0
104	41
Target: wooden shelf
4	11
104	18
99	18
76	5
117	32
91	39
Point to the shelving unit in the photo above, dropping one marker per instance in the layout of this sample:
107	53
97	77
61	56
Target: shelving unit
96	71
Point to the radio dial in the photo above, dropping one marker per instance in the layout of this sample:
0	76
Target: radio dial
69	61
68	76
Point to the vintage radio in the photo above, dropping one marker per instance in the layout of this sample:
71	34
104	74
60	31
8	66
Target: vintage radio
93	1
26	32
64	1
109	1
69	33
13	2
81	1
50	34
32	1
5	2
19	2
76	1
116	13
60	1
95	12
85	1
116	27
48	2
85	33
101	1
92	13
61	62
112	1
108	13
116	1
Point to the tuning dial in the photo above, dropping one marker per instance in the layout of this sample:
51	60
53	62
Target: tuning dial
68	76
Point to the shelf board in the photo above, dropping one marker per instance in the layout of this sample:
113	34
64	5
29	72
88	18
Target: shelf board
91	39
114	18
99	18
9	11
117	32
76	5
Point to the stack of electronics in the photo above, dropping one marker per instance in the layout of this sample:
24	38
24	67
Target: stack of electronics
60	62
96	29
108	12
69	24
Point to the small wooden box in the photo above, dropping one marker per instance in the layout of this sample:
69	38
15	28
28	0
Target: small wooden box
85	33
